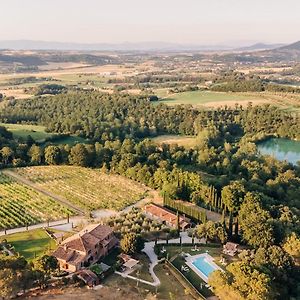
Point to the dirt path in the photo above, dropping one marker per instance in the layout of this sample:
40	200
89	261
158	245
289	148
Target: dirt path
59	199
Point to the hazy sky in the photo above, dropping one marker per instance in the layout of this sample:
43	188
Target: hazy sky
183	21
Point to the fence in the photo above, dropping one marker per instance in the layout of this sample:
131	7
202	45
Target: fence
184	281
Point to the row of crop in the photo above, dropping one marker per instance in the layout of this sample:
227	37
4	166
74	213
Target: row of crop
84	188
20	205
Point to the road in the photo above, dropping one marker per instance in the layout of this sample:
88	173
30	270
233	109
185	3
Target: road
59	225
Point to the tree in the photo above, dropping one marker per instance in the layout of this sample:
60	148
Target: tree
79	155
242	281
276	260
46	263
233	196
292	245
8	283
212	231
132	243
7	154
36	154
53	155
254	222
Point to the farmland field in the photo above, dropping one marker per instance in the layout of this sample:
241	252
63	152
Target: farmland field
218	99
87	188
31	244
204	98
21	205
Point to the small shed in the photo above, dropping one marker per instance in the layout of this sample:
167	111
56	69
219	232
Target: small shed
131	263
230	248
88	277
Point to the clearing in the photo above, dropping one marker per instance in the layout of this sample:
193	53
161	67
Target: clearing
180	140
89	189
22	131
39	134
31	244
21	205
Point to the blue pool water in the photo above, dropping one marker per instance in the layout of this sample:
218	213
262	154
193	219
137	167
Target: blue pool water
204	266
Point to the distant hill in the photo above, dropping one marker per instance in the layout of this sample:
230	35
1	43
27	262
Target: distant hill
260	46
285	53
294	46
126	46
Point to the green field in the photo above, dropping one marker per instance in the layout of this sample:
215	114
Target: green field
180	140
21	205
87	188
31	244
38	133
203	97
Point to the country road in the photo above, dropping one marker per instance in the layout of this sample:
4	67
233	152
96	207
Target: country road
59	199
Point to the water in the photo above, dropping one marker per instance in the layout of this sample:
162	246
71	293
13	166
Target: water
282	149
204	266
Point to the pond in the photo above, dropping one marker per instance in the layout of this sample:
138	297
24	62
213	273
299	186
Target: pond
280	148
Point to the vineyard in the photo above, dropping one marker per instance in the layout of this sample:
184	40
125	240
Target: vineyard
86	188
20	205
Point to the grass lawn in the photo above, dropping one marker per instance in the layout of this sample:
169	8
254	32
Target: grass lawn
143	272
180	140
215	252
32	243
169	284
192	277
170	287
38	133
87	188
177	261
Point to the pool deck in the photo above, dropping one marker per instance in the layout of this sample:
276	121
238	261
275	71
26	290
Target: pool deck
210	259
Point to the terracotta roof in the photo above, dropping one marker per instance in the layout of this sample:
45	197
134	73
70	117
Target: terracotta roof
87	276
76	247
68	255
166	215
124	257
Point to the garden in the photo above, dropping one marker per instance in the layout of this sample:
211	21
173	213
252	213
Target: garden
30	244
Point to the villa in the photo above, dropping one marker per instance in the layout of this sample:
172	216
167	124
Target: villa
167	216
86	247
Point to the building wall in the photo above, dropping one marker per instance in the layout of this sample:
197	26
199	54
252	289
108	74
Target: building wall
67	267
92	257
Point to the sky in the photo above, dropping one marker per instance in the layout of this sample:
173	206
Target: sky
202	22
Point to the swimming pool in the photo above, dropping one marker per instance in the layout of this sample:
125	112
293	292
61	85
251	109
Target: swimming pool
202	265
